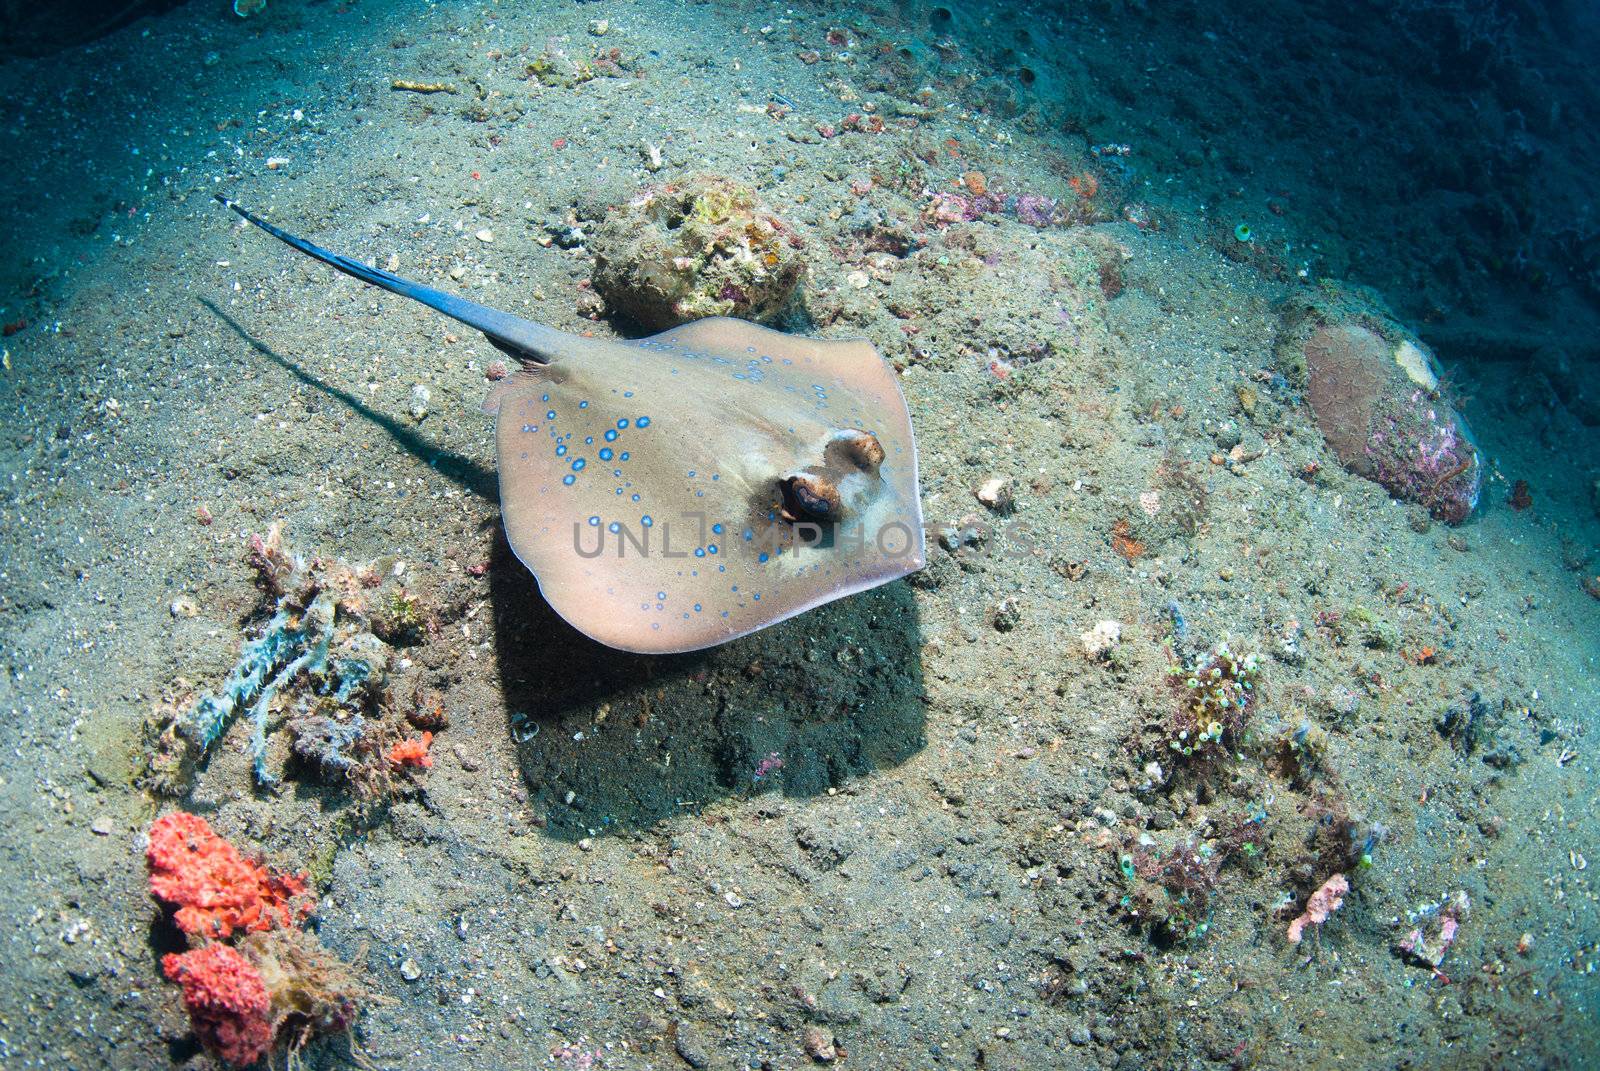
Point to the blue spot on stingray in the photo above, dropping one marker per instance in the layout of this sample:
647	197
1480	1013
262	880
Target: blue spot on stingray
757	598
605	452
636	497
696	607
646	520
551	415
624	455
577	465
661	595
594	522
748	535
530	427
643	422
589	441
622	423
569	479
611	435
717	528
617	472
699	552
627	394
613	527
711	549
583	405
561	451
764	557
547	397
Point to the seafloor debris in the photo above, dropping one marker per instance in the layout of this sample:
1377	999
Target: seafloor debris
1429	930
703	247
1322	903
326	649
276	986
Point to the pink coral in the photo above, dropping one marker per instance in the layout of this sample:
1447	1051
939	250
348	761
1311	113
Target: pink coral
1324	902
215	889
227	1002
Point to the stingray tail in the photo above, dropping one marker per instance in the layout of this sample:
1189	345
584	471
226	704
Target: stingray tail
520	338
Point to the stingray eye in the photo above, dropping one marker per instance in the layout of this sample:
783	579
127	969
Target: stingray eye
861	449
810	498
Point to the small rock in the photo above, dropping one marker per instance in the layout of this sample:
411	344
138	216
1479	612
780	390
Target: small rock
996	494
103	826
183	606
485	235
1080	1035
691	1045
410	969
1098	641
420	397
857	279
820	1046
275	163
599	27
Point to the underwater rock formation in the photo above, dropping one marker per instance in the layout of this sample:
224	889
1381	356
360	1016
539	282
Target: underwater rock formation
685	251
1381	405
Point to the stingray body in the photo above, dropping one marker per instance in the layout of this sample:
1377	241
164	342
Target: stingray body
675	492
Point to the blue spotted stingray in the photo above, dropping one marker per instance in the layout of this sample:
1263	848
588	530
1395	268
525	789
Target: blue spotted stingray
675	492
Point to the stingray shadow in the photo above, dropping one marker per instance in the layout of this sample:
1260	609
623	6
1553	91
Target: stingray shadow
470	475
610	741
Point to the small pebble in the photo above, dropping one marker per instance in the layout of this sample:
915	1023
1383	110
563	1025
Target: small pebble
420	397
485	235
857	279
103	826
410	970
183	606
274	163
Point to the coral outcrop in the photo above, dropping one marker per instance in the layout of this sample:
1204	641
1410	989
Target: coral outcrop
703	247
1381	405
275	985
215	890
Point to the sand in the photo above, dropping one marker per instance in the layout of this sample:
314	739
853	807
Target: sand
604	866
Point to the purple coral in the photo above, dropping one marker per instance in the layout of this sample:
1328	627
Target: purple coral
1036	210
1419	452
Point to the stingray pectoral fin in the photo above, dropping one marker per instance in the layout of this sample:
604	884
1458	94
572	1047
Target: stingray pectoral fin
513	335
